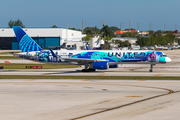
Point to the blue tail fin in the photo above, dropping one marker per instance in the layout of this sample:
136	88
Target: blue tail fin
26	43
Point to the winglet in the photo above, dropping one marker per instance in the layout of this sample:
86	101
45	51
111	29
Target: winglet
87	47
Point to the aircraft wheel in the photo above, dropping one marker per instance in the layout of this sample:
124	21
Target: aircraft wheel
85	70
88	70
150	70
92	70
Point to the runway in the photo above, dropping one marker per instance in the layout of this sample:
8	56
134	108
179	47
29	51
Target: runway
89	99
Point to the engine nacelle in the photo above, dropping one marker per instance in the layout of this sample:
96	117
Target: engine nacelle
102	65
113	66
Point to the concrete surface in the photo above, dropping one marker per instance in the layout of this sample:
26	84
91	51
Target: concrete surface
32	99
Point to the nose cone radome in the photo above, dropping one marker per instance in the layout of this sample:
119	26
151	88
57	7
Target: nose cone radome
168	59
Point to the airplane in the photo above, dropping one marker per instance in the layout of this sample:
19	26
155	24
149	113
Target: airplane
161	47
174	47
91	59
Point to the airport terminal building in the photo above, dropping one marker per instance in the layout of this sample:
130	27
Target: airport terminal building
45	37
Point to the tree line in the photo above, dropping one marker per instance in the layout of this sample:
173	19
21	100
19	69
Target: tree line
157	38
107	33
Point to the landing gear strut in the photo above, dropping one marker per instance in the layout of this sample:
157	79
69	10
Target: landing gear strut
87	69
151	69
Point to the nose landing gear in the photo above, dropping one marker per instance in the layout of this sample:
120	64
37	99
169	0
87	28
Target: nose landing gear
151	69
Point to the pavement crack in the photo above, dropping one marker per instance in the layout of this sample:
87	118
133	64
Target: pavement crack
128	104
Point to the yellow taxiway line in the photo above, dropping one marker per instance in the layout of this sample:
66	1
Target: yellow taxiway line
158	75
46	74
102	74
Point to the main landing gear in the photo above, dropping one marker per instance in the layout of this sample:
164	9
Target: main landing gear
88	69
151	69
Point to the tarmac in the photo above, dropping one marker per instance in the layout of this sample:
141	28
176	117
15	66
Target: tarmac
31	99
87	99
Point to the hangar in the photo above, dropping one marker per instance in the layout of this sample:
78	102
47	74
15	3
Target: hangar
45	37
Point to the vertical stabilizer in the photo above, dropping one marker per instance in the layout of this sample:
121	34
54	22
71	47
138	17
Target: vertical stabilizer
26	43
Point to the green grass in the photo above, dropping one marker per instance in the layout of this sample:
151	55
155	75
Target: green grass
9	57
89	77
44	66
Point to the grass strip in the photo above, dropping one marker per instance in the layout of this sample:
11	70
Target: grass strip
9	57
90	77
44	66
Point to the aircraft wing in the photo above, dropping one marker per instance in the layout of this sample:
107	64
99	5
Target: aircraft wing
82	61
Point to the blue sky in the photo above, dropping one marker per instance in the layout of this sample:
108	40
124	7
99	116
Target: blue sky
45	13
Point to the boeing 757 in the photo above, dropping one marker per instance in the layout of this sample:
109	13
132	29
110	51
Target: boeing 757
91	59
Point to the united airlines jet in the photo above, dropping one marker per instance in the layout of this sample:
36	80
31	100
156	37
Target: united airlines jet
91	59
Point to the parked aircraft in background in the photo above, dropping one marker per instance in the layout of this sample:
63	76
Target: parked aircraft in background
92	59
174	47
150	48
161	47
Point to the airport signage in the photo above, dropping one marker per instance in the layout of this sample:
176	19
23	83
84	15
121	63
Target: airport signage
34	67
37	67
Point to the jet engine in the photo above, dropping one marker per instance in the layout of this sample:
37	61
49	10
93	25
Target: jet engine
113	66
102	65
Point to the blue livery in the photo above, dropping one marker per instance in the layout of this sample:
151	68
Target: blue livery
92	59
26	43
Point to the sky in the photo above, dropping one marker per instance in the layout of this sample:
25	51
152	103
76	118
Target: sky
45	13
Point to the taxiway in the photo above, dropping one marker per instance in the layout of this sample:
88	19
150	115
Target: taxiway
32	99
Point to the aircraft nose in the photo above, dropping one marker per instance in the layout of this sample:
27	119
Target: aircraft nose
168	59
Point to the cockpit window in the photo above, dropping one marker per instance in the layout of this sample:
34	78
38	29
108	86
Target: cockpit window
163	55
